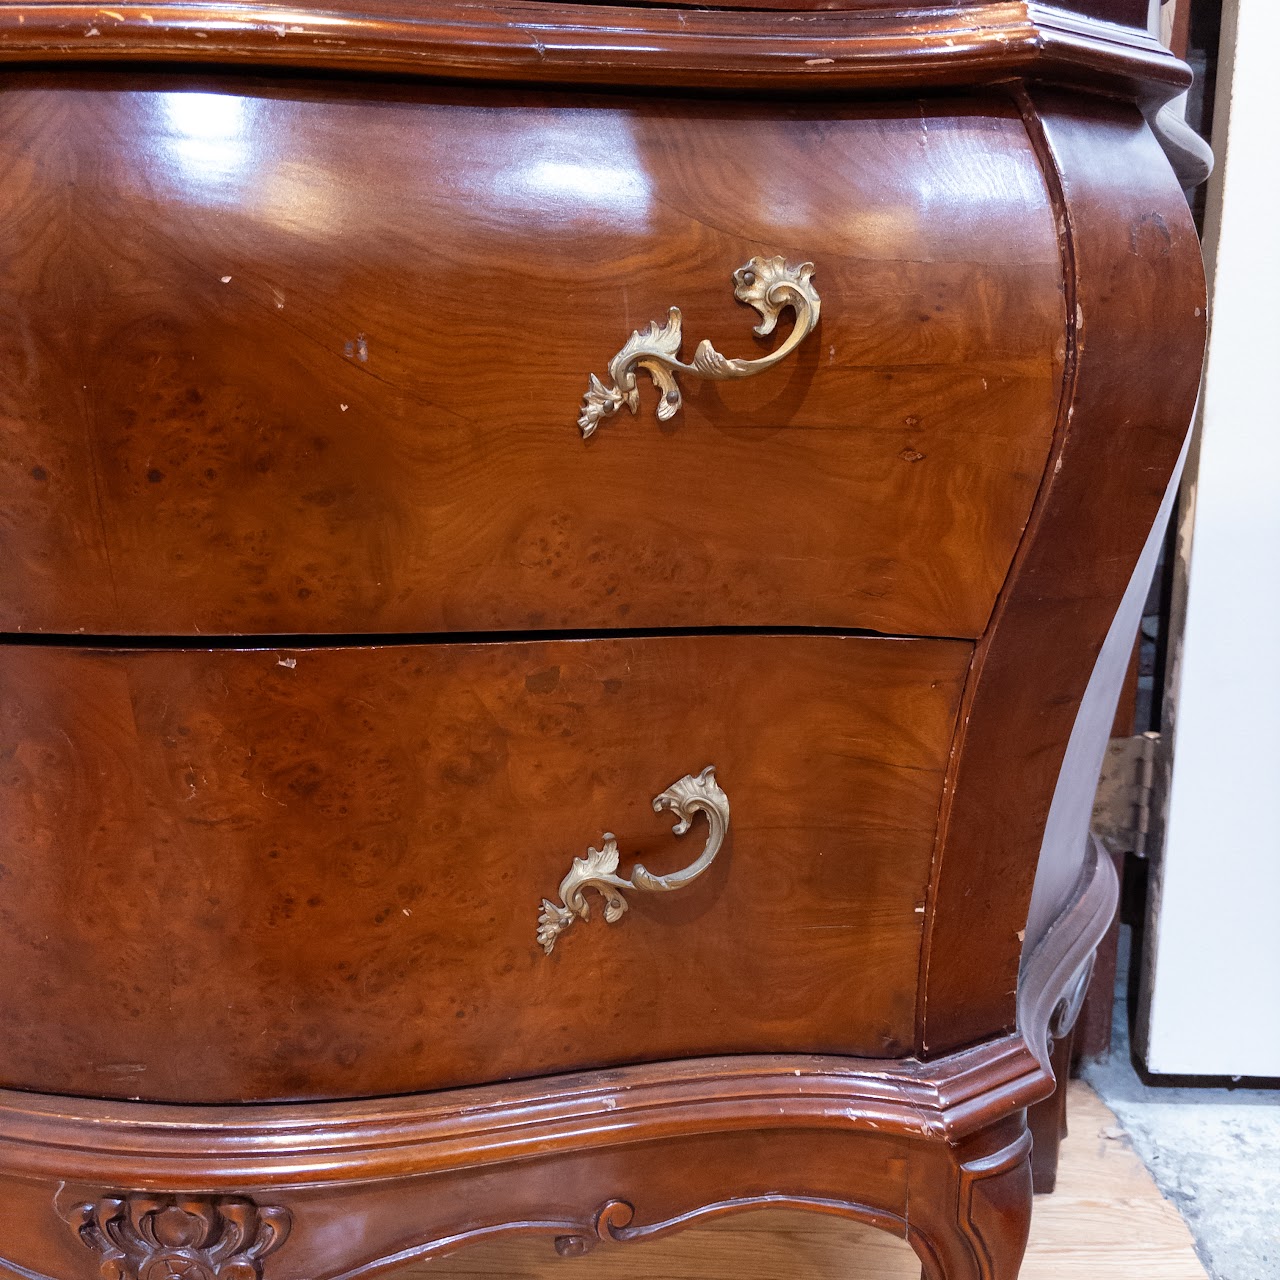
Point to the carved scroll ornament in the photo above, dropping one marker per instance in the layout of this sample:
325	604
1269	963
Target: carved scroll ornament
770	285
1067	1010
686	798
143	1237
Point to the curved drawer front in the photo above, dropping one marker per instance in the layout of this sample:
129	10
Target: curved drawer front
237	875
311	360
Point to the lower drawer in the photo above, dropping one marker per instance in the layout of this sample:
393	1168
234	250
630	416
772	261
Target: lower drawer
235	875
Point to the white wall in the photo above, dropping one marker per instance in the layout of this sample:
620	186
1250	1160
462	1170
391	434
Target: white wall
1214	968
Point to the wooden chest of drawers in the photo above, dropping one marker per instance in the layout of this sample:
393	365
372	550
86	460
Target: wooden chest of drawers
373	605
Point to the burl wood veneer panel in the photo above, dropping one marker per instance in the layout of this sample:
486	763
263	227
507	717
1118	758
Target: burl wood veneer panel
310	360
246	874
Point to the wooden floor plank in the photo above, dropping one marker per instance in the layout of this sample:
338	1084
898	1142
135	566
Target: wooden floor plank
1106	1221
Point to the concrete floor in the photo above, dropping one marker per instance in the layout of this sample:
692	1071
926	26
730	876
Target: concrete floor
1214	1152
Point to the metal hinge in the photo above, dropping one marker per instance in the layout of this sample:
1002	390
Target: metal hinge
1125	808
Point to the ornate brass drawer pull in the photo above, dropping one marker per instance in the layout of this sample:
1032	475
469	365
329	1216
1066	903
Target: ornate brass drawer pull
685	798
770	285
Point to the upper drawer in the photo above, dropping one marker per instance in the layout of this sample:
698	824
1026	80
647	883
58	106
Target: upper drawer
310	360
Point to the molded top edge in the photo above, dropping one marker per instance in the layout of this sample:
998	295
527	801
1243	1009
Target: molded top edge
559	42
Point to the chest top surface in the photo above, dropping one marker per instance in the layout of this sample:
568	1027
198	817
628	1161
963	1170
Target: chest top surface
805	46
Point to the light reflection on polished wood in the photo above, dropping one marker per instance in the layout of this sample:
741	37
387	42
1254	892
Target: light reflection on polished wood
298	407
329	861
263	371
903	46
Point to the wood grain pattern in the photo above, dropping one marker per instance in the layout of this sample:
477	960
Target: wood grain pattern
936	1153
649	1193
296	408
1107	1221
897	47
240	1149
287	356
327	865
1132	256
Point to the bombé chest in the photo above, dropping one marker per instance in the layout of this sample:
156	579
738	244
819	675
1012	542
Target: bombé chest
403	526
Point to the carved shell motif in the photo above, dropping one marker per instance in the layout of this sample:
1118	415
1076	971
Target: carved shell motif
143	1237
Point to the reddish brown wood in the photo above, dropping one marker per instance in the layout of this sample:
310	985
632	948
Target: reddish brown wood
1062	993
420	793
605	1198
675	1142
1131	254
1093	1033
280	425
891	47
1181	34
1047	1121
832	1135
329	863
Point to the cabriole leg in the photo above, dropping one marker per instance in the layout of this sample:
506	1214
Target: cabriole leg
972	1218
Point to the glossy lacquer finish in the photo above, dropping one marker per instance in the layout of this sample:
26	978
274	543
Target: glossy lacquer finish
879	47
304	355
311	361
329	863
1130	12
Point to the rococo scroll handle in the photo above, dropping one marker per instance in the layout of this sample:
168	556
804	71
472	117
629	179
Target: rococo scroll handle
686	798
770	285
